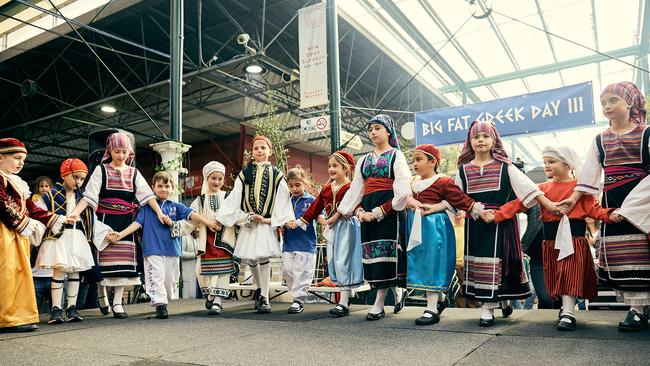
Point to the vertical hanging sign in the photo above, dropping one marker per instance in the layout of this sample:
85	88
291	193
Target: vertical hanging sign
312	34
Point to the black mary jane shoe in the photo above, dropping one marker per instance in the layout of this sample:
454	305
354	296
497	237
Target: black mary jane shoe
340	311
208	303
73	315
507	311
296	309
372	317
20	329
443	305
122	315
216	309
566	325
631	324
105	310
56	316
486	322
428	320
399	305
161	312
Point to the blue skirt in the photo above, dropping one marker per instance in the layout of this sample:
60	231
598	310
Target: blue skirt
431	265
344	261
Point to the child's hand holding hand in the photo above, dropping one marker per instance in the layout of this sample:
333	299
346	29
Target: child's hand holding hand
488	216
291	225
72	219
258	218
164	219
113	237
616	218
366	216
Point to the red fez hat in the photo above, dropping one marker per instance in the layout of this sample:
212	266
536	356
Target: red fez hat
346	156
263	138
72	165
10	145
430	150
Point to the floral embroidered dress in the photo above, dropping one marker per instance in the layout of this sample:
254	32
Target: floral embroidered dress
381	183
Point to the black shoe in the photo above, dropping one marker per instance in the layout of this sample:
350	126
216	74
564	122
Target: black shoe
161	312
265	306
507	311
371	316
340	310
428	320
296	309
630	324
73	315
563	325
103	309
20	329
486	322
208	304
443	305
256	296
399	305
56	316
215	309
122	315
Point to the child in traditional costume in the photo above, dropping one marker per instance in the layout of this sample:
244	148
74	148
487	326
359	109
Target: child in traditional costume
622	152
67	253
568	265
259	203
378	195
161	245
20	221
215	248
494	270
299	247
343	234
113	191
42	185
431	251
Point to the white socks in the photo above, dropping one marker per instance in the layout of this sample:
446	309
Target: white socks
255	271
57	288
487	313
432	302
344	298
73	288
118	292
101	294
265	278
378	306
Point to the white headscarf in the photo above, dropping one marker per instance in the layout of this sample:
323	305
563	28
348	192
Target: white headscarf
566	155
563	238
209	168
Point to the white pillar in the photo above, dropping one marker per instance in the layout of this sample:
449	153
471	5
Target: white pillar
171	153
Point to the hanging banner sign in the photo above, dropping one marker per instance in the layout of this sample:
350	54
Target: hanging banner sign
312	34
315	124
551	110
354	141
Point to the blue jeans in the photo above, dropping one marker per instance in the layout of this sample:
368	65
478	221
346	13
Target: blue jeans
42	285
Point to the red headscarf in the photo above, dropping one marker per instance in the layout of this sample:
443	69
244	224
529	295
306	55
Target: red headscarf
430	150
72	165
634	98
118	140
10	145
263	138
497	151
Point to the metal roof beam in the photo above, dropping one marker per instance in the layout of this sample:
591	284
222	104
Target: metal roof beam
545	69
644	47
410	28
548	36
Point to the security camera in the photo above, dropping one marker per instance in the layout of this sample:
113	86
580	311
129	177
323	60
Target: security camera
290	76
243	38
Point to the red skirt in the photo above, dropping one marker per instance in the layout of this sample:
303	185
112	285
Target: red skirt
574	275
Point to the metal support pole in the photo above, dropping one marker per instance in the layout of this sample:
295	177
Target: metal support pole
176	69
333	73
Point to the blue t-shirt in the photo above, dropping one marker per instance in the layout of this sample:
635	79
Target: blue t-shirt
299	240
157	237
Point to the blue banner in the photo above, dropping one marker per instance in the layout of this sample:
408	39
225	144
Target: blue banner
550	110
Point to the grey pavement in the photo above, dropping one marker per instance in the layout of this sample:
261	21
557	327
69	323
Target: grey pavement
241	337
